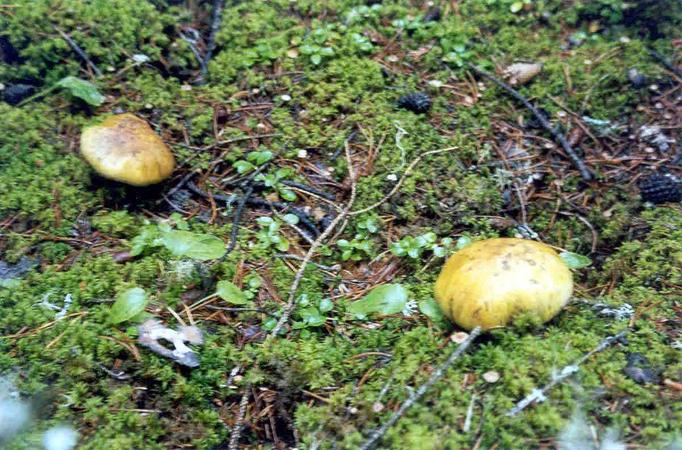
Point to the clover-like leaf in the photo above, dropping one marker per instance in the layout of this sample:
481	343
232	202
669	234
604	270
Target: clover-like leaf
311	317
326	305
462	242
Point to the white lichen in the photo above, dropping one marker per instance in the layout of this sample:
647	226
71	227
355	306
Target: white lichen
152	331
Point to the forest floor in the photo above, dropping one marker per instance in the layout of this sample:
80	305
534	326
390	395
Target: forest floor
283	117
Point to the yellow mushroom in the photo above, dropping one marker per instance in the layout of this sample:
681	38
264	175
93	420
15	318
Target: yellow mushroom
488	282
125	148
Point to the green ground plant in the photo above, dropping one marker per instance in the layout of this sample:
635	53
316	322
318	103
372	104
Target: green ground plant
314	75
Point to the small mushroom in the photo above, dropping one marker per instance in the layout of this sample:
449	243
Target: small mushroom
488	282
522	73
124	148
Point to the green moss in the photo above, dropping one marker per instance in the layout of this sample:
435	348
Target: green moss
356	366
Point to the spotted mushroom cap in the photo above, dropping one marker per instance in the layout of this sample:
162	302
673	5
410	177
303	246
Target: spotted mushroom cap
124	148
489	282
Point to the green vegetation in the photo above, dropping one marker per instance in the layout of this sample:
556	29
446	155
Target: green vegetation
307	76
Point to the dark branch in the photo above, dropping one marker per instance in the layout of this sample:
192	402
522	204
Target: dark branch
662	60
262	203
379	433
217	19
558	136
79	51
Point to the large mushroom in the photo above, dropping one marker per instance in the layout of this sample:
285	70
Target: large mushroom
124	148
489	282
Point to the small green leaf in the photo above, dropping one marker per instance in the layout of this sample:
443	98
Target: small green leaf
269	324
516	7
260	157
430	308
128	304
307	49
291	219
144	240
229	292
193	245
311	317
316	58
462	242
397	249
282	245
326	305
385	299
264	221
243	166
82	89
287	195
574	260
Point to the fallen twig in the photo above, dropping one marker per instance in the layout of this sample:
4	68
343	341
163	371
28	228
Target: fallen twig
538	395
288	308
239	423
79	51
558	135
662	60
216	20
239	212
400	182
437	374
260	202
310	189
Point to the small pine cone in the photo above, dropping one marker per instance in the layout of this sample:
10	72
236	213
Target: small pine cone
660	188
16	93
417	102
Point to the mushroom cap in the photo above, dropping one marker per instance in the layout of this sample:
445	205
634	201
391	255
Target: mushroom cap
488	282
125	148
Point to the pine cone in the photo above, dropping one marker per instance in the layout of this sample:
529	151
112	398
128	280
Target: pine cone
660	188
417	102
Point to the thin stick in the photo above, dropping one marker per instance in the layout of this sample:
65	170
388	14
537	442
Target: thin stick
399	184
216	20
234	232
662	60
260	202
310	189
558	135
289	307
538	395
379	433
239	424
79	51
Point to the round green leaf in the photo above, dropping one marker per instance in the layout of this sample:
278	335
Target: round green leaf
326	305
128	304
